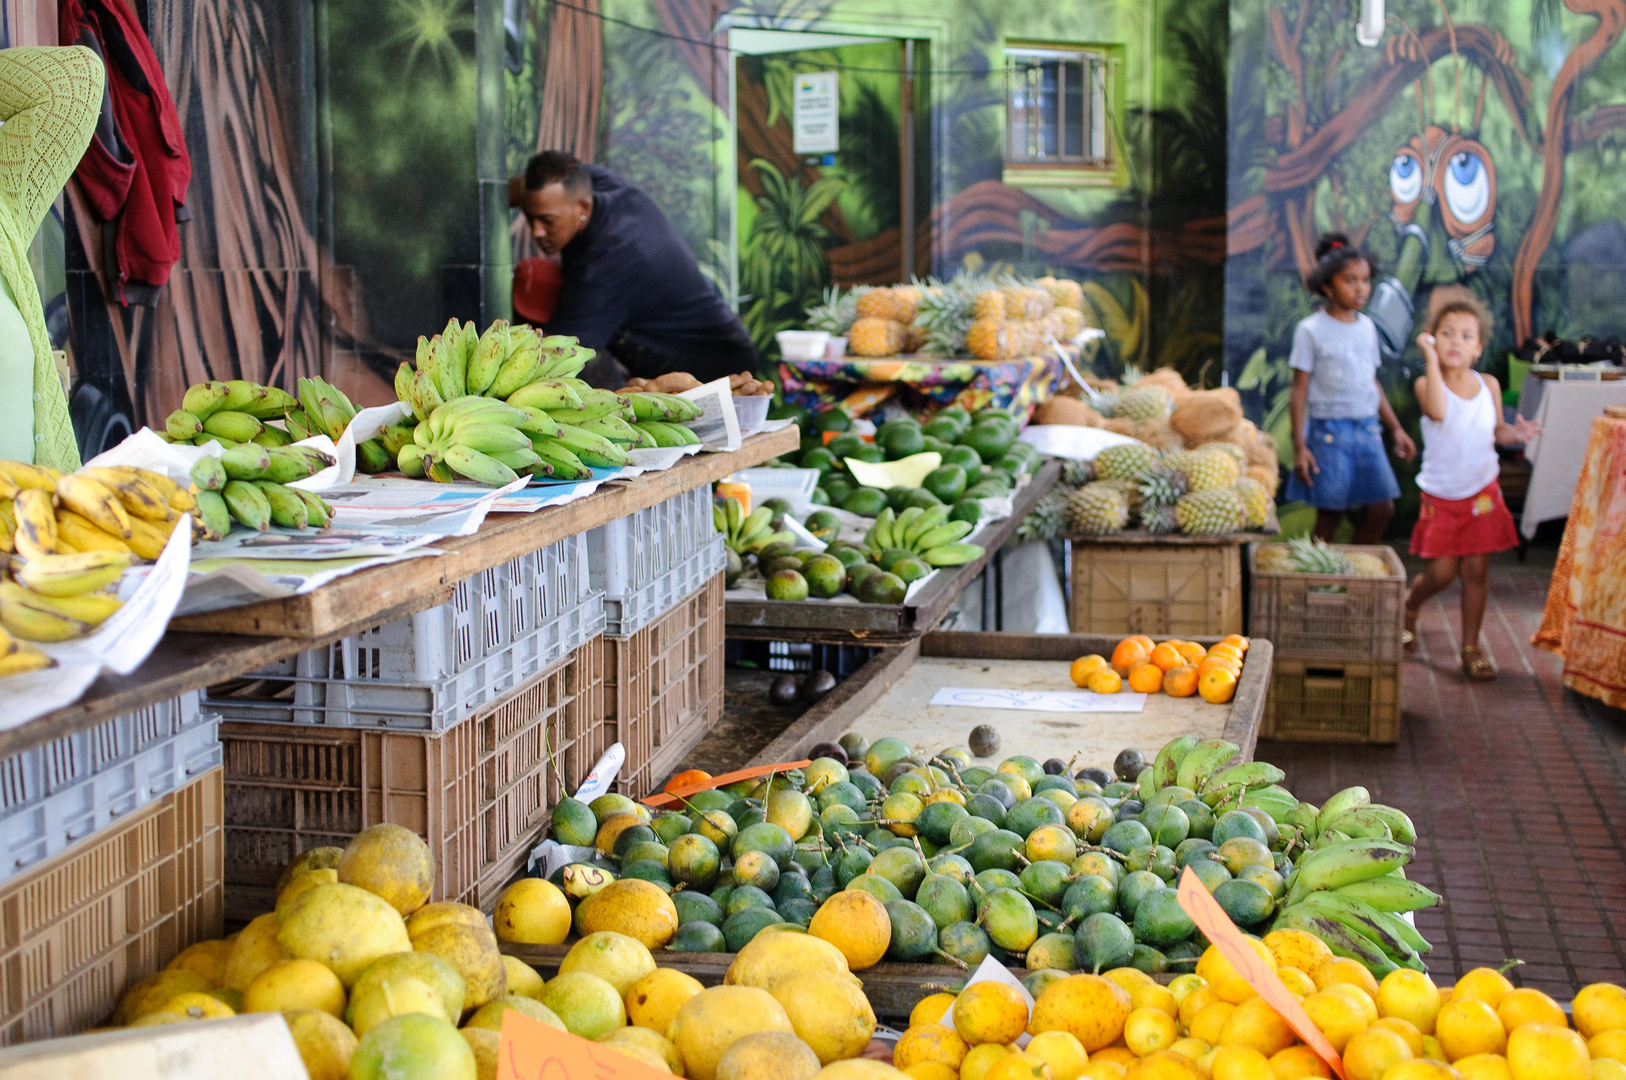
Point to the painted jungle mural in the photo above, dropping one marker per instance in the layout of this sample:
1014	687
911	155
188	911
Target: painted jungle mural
1480	143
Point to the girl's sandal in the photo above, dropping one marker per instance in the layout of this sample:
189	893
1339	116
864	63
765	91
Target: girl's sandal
1475	665
1408	636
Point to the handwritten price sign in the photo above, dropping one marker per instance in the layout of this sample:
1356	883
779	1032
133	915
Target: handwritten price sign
1219	929
532	1050
666	797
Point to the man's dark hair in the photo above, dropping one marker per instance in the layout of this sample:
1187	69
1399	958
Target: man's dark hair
558	167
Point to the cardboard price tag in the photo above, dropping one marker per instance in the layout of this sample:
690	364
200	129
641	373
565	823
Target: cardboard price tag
665	798
1219	929
532	1050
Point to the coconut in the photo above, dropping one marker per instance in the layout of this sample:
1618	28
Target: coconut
1207	415
1170	380
1123	426
1158	433
1067	410
1268	477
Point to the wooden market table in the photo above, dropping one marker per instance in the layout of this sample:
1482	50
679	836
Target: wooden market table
201	650
889	695
825	623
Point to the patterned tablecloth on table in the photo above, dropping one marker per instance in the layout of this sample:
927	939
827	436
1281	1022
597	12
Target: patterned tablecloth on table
1585	620
974	384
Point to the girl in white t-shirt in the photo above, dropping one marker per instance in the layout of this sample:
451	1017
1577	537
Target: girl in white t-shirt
1463	519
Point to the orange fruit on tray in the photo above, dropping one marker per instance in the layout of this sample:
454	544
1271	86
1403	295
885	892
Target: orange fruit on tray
1180	681
1084	666
1217	686
1146	678
1190	650
1104	681
1166	656
1145	642
1226	649
1126	653
1223	663
688	778
1237	640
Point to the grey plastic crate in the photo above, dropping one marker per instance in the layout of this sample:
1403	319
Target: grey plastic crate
628	556
373	680
62	792
626	615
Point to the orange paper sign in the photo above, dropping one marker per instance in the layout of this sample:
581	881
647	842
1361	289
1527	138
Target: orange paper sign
1219	929
532	1050
664	798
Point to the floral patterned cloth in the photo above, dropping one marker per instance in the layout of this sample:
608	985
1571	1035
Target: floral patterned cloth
973	384
1585	619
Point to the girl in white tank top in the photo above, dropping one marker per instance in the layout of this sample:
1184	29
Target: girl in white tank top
1463	518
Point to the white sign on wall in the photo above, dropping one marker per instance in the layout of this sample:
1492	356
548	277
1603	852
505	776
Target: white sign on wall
814	114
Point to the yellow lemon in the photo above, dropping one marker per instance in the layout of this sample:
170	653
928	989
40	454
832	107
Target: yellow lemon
1469	1026
1154	997
654	1000
199	1006
1210	1022
1422	1069
1406	1030
1599	1007
1339	1016
1218	973
1374	1052
1182	985
1486	984
1411	996
206	958
1297	1063
1256	1024
931	1009
1149	1030
324	1043
1019	1065
1359	997
1164	1065
930	1042
1103	1069
979	1059
856	923
1526	1006
1241	1063
616	958
1546	1052
295	984
1296	949
988	1012
931	1070
1484	1067
1195	1049
1089	1008
1608	1044
1194	1003
532	912
523	980
1341	969
1129	978
1606	1069
1064	1054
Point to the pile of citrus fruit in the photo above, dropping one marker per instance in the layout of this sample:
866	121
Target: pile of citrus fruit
1177	668
1123	1025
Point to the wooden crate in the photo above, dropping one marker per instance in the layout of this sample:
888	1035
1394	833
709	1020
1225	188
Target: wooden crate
479	793
78	929
853	704
1168	586
1334	701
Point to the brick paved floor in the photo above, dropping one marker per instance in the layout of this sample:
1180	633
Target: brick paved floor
1518	790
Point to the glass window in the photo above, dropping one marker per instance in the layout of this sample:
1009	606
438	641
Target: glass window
1056	112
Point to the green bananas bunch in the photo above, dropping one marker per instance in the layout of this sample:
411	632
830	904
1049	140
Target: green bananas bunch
746	533
461	362
473	438
325	410
660	418
229	413
928	535
250	461
259	504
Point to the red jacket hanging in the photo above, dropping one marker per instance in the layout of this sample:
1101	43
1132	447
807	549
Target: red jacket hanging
136	170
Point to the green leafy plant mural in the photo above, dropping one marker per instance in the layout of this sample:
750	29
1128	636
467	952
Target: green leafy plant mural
782	265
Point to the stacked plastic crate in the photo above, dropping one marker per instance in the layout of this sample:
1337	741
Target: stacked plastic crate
111	863
463	723
661	570
1337	663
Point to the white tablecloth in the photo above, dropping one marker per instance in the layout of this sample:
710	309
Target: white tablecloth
1566	413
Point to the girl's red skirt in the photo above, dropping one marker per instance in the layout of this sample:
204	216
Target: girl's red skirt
1451	528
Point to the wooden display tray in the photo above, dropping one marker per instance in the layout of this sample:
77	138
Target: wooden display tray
881	624
202	650
886	697
384	593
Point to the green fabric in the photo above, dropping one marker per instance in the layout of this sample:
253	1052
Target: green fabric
49	102
16	369
1517	371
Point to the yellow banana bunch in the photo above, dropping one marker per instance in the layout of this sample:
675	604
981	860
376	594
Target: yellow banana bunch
35	513
17	657
8	525
71	575
94	501
76	533
32	617
15	476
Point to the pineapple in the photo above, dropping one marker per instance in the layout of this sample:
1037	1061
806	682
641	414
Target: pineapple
1068	295
1131	492
1210	470
1127	461
1318	557
874	337
945	315
1228	448
879	303
905	303
1096	509
989	303
1367	564
1075	474
1047	518
1274	559
1143	403
1160	520
1071	321
989	339
1210	513
836	315
1162	486
1256	502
